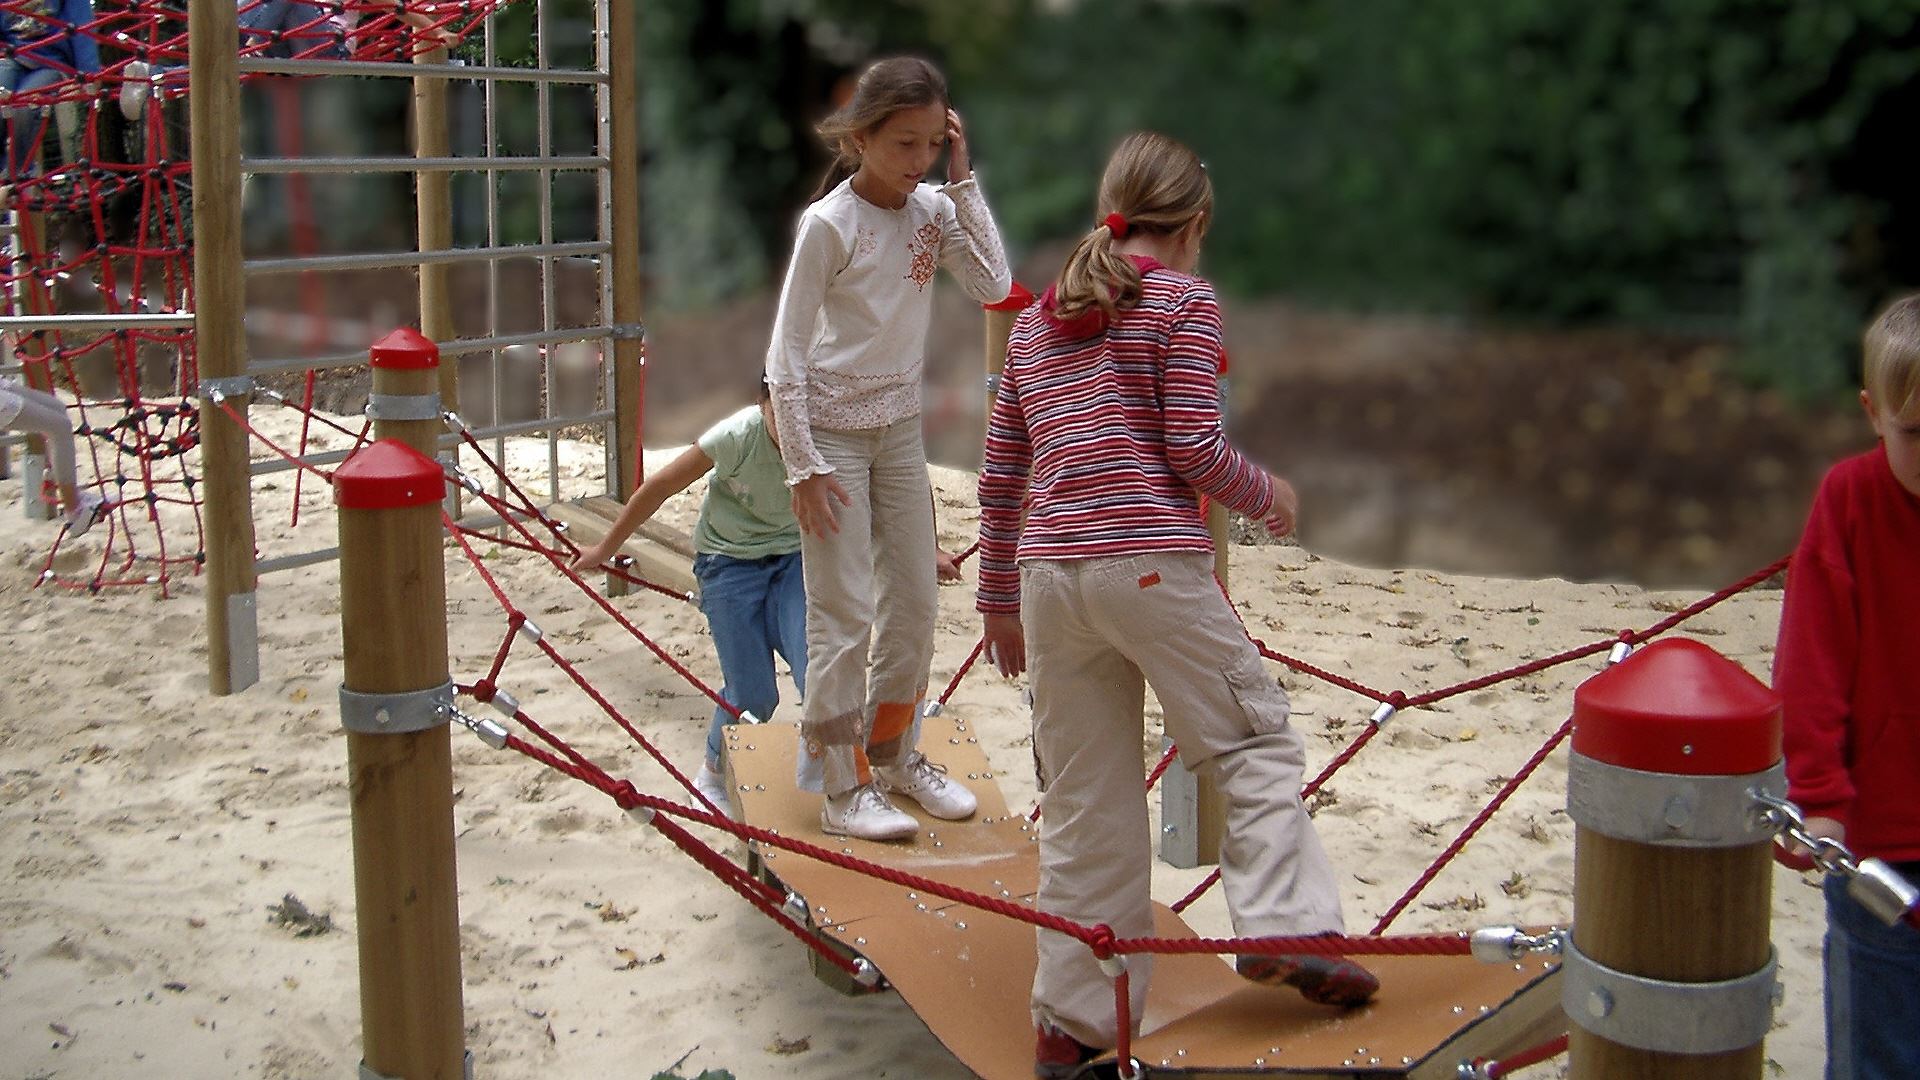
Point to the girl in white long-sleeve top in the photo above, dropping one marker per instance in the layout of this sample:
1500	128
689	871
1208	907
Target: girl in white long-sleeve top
845	366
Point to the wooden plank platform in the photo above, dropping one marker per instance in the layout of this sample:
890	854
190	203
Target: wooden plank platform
660	553
967	973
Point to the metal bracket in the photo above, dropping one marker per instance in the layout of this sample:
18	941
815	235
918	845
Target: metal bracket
403	406
393	714
219	390
243	641
367	1073
1669	809
1668	1017
631	331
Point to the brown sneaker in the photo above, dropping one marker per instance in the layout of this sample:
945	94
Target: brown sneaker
1323	980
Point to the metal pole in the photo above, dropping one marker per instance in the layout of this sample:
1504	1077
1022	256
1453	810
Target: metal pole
219	282
393	622
1669	974
621	145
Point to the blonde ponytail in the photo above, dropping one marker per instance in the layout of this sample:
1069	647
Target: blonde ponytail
1153	184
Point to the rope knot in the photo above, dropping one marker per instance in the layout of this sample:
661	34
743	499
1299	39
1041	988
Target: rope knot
515	620
484	690
625	796
1397	699
1100	939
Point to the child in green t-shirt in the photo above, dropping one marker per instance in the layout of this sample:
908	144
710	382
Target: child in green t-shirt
747	563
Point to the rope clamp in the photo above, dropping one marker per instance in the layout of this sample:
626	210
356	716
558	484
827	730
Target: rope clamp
1670	809
865	973
452	420
1506	944
1383	714
747	717
531	629
795	907
393	714
231	386
403	406
641	814
933	708
1113	966
1668	1017
488	730
1872	884
505	704
1620	651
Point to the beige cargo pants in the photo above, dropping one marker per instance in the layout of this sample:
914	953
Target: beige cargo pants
1098	631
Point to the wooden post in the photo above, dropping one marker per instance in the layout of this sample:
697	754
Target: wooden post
622	149
433	217
406	403
1193	813
36	300
220	296
394	637
1000	318
1672	873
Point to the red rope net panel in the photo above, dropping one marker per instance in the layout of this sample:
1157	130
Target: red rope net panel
97	177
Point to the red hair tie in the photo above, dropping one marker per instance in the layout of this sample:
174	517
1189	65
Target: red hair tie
1116	225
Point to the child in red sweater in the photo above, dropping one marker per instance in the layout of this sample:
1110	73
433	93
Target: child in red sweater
1848	673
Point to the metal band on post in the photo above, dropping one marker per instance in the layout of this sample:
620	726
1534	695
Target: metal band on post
393	714
403	406
1666	1016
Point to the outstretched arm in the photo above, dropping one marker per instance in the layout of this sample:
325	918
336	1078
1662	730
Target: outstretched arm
646	500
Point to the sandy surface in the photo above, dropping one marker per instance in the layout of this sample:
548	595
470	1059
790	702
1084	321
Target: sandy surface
151	830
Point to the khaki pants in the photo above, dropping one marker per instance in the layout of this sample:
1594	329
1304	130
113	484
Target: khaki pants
871	601
1098	631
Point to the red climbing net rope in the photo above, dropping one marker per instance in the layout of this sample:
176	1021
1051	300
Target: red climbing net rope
97	183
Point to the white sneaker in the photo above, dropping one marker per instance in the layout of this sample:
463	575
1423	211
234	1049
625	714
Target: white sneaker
87	513
134	89
927	784
865	813
713	785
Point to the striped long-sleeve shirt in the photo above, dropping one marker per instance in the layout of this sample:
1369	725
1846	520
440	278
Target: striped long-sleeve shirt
1106	433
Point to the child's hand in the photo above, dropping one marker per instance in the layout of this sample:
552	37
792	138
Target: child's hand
813	500
1006	645
946	566
959	163
1285	510
590	558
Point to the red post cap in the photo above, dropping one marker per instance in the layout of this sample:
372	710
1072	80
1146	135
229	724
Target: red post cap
1677	706
404	348
387	474
1017	298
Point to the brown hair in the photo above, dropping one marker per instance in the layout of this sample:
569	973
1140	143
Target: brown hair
1891	367
885	88
1159	186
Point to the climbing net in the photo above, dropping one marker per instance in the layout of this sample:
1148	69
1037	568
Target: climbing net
527	528
99	183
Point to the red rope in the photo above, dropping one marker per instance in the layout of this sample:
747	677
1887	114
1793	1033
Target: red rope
1493	1070
1492	807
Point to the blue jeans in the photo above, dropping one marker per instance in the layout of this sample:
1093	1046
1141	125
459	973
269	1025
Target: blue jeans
1873	991
755	608
17	133
305	25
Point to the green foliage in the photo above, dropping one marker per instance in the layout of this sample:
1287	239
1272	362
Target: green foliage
1725	166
